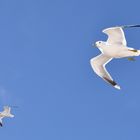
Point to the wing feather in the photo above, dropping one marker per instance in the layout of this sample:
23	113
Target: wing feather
115	36
98	65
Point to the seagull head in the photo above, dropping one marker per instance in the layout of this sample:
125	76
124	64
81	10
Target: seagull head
99	43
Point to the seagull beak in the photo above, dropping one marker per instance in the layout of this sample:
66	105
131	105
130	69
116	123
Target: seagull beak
94	45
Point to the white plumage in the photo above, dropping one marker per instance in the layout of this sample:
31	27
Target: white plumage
5	113
114	47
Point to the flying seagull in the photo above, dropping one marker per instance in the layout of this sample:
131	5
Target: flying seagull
114	47
5	113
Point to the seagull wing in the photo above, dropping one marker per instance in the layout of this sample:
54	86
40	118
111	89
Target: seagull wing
115	36
98	64
7	109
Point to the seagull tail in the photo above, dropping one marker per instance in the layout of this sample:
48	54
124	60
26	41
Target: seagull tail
135	52
139	52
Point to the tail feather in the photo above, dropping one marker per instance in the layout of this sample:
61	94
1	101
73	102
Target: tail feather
135	52
139	52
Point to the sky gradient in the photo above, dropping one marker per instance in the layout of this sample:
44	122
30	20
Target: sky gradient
45	49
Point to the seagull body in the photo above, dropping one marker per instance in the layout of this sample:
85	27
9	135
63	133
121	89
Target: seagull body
114	47
5	113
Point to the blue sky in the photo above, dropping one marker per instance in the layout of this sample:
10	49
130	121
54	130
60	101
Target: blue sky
45	48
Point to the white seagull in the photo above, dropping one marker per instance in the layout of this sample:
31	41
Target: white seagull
5	113
114	47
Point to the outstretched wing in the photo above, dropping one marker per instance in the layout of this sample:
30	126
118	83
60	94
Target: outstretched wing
115	36
7	112
7	109
98	64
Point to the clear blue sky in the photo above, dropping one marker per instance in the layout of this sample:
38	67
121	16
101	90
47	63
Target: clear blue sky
45	48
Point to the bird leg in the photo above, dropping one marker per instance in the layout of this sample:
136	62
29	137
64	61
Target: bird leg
131	58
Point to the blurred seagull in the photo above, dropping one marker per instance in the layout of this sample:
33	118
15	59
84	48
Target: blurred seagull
5	113
114	47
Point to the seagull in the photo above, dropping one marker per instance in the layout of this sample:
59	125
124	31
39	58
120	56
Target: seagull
114	47
5	113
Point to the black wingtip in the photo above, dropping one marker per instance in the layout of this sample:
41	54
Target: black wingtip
113	83
130	26
1	124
